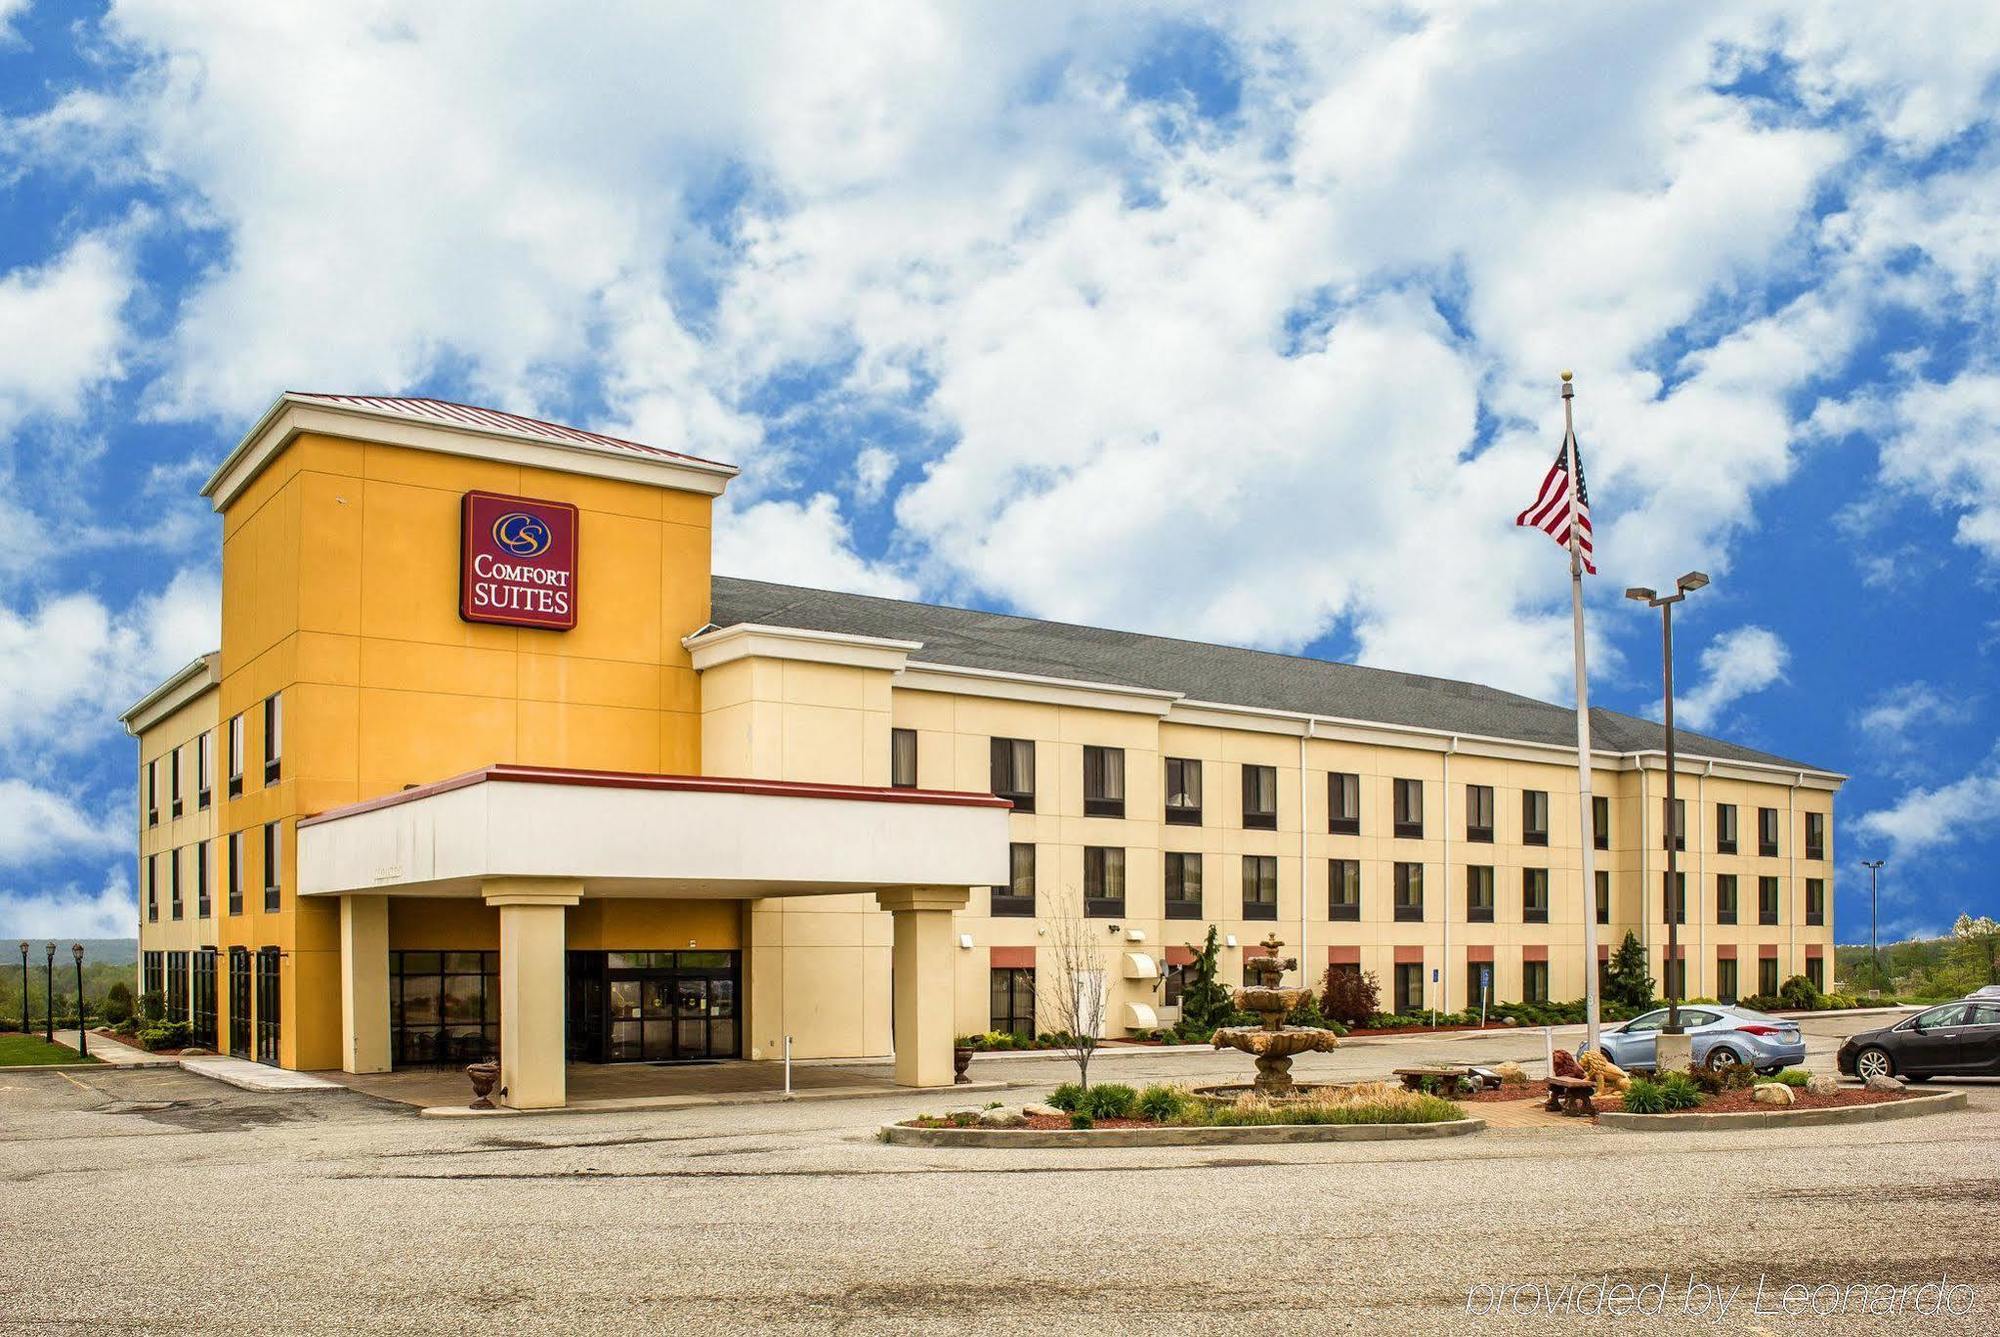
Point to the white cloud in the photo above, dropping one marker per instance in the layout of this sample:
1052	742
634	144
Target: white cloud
1946	450
799	544
1733	665
873	468
60	330
69	665
1898	712
1927	819
38	825
71	912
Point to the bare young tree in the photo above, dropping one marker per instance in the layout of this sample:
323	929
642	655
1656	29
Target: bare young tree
1079	957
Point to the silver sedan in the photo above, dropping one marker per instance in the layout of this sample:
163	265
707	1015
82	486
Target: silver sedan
1719	1034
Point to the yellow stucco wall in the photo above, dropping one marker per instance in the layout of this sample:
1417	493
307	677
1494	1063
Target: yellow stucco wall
173	838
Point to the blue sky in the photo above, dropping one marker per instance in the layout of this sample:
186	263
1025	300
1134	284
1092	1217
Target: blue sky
1240	327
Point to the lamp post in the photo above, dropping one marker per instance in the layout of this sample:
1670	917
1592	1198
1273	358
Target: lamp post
49	990
1688	583
82	1035
1873	866
24	986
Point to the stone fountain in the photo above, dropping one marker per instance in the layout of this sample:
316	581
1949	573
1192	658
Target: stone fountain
1273	1043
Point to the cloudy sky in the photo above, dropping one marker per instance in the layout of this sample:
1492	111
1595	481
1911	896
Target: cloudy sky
1237	324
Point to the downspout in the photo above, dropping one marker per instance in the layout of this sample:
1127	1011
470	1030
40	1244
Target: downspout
1792	888
1305	966
1444	879
1701	873
1645	873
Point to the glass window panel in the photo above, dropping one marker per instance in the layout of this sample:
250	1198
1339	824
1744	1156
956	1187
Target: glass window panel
659	998
702	960
624	1043
461	997
421	963
421	1000
722	998
624	998
463	963
693	1038
721	1038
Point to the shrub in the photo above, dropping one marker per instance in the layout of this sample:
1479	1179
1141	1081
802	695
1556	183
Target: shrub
1680	1091
1204	1002
1794	1077
1162	1104
1350	997
153	1005
1080	1120
117	1002
1645	1096
1370	1102
166	1035
1761	1002
1626	982
1307	1013
1800	993
1068	1097
1109	1100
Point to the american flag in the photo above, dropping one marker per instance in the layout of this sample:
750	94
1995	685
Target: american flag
1553	505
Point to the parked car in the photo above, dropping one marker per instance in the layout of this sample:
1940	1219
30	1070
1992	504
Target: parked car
1720	1035
1959	1039
1988	993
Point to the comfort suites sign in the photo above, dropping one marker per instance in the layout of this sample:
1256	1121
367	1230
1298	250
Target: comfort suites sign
517	561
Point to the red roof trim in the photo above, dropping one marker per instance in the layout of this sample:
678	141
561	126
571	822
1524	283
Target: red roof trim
695	784
450	413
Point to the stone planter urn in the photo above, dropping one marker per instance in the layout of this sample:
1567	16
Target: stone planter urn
484	1076
961	1059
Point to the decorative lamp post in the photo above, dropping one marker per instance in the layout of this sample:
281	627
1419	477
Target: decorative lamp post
49	990
24	986
82	1035
1873	866
1692	581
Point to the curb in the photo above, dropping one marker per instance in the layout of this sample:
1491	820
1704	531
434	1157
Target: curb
286	1085
664	1104
1909	1107
1255	1136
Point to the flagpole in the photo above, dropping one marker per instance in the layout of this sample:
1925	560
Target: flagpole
1587	807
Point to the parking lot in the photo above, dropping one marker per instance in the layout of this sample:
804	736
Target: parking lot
163	1201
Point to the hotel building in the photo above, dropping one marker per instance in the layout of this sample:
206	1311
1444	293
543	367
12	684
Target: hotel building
489	763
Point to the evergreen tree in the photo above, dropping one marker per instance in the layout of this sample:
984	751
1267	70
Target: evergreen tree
1627	983
1205	1004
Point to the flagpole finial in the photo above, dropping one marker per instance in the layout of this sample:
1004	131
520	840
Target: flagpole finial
1566	376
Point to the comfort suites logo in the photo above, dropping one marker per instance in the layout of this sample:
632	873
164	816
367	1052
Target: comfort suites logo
517	561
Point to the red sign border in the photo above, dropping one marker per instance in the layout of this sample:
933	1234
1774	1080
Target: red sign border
464	546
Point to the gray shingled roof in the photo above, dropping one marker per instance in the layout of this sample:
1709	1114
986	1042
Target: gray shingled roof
966	638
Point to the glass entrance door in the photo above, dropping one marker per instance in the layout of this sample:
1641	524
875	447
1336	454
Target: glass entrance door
657	1006
239	1002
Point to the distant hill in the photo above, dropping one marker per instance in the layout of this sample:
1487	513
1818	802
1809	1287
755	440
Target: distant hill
111	951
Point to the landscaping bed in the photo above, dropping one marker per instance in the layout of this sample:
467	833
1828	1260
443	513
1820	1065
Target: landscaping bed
1741	1102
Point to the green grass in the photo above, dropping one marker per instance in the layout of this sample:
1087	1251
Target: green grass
27	1051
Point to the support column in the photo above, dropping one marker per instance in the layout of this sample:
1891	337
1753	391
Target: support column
533	912
925	990
364	983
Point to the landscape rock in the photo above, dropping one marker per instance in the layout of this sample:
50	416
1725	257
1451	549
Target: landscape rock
1771	1093
1034	1111
1511	1073
1822	1084
1002	1118
1889	1084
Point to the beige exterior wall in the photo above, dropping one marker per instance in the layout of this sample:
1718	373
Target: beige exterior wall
169	738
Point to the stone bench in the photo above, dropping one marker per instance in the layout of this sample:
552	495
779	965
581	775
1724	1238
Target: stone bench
1414	1078
1571	1095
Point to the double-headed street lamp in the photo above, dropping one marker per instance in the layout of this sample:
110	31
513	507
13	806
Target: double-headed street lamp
1686	585
1873	866
82	1036
50	991
24	986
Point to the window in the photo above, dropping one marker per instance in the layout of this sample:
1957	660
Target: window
1104	782
1183	791
1478	983
1767	975
1815	835
1014	771
1343	803
1725	980
154	973
1409	892
204	771
202	908
1603	896
1479	813
1767	900
239	1002
1673	824
202	1014
444	1007
234	872
153	888
267	1006
1600	821
1018	896
152	793
1767	832
174	884
1816	971
1534	817
1175	980
1673	898
903	758
1725	898
235	755
1675	983
1534	981
1479	894
1260	798
1183	884
177	986
1725	828
174	783
1012	994
1409	988
274	738
1815	900
1343	889
1260	886
1534	895
271	869
1103	882
1409	814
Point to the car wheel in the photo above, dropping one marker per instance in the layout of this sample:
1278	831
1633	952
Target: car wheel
1722	1056
1874	1062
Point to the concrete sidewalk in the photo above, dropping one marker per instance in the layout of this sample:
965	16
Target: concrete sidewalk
115	1053
247	1076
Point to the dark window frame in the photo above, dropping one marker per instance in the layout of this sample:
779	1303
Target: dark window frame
902	758
1104	773
204	771
1815	902
1479	908
152	888
1260	872
1183	782
235	745
1012	981
1531	973
1010	902
1408	878
274	738
1725	828
1535	909
1180	871
1534	803
1408	1000
175	805
443	1037
1727	898
1770	899
1600	822
269	1024
1100	872
1767	821
1816	835
175	904
1008	758
153	792
1340	909
1343	803
1479	808
1255	816
234	855
1673	824
1408	811
274	849
1602	894
204	906
1673	896
1727	979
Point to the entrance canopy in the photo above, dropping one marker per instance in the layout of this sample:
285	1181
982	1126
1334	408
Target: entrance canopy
623	834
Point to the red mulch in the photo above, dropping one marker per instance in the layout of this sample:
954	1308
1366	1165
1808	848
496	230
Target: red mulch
1361	1032
1497	1094
1740	1102
1044	1123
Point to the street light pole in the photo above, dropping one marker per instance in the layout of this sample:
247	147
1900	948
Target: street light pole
82	1036
1675	828
49	989
24	986
1873	866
